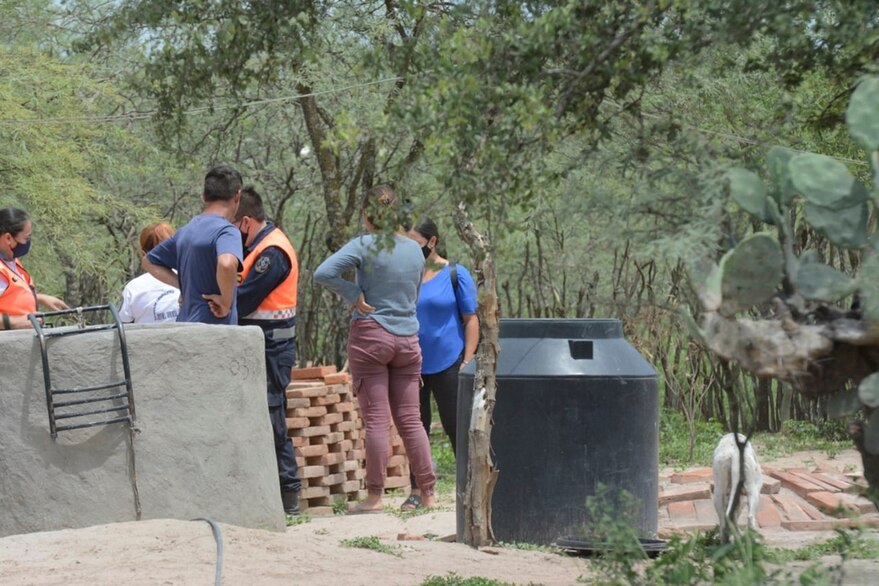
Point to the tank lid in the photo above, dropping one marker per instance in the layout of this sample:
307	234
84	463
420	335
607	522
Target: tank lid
585	328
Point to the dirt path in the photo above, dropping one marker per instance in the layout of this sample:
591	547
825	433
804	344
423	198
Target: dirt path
181	552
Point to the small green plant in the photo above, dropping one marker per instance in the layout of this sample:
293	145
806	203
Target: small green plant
453	579
340	507
297	520
702	559
611	530
371	542
321	532
848	544
531	547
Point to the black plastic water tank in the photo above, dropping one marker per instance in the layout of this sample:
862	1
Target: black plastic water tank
577	407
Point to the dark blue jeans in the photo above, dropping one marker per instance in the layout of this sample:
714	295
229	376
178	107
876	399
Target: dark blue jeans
280	355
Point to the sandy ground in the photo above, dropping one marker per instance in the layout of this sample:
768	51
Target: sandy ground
181	552
184	552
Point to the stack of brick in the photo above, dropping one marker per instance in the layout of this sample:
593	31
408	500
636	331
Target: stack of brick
324	424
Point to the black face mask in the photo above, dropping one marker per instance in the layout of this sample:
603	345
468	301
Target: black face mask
426	250
243	240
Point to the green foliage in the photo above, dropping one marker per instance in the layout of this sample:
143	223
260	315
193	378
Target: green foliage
293	520
848	543
371	542
748	191
702	559
843	403
825	182
837	205
611	530
750	273
819	282
674	440
862	117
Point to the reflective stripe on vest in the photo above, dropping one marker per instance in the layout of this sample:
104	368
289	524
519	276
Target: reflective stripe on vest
281	302
19	298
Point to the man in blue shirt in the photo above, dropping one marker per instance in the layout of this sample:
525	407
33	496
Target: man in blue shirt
206	254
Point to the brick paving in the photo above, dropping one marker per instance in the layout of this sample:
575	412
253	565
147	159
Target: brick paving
792	499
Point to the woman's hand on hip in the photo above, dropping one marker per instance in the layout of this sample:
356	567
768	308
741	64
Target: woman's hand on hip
362	306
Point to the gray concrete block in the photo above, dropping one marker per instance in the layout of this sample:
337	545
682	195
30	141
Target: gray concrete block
203	446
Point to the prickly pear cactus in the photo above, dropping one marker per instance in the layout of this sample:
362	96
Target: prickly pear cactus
763	267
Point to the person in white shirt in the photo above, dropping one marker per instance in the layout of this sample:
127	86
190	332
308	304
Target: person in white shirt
146	299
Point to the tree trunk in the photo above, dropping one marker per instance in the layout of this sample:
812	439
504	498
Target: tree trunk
482	473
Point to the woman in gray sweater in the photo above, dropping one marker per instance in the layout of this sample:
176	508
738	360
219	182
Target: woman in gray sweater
383	351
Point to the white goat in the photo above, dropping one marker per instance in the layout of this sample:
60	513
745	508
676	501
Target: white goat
726	468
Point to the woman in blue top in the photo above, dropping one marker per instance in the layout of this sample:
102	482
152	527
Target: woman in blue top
448	333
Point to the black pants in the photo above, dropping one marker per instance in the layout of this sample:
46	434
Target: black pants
280	355
444	386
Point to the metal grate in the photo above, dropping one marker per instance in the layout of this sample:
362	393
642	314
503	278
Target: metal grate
79	407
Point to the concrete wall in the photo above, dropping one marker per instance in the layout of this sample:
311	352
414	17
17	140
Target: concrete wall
204	446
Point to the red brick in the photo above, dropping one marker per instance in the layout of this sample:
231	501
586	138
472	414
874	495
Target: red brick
313	451
297	403
397	471
693	476
344	426
312	372
320	511
810	525
794	483
329	437
813	513
397	482
330	459
830	503
351	485
314	492
313	431
686	492
859	503
297	423
311	472
336	378
790	510
825	486
679	510
343	407
705	512
328	419
326	399
333	479
306	392
767	514
396	461
310	411
770	485
837	482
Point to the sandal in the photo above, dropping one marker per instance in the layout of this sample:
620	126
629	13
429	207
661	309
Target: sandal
411	503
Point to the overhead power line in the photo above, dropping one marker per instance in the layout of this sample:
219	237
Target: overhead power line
137	116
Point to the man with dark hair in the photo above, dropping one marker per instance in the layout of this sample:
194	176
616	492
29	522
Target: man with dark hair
267	298
206	254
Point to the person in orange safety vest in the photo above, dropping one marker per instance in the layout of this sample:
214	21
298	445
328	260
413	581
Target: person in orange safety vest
18	297
267	298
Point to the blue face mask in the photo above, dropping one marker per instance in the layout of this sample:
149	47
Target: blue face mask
21	249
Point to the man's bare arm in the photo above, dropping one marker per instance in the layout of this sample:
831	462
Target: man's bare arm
227	278
162	273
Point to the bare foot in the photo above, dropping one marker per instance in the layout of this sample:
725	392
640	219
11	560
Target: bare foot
372	502
428	501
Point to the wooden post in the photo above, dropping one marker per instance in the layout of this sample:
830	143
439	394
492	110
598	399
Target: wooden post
482	473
